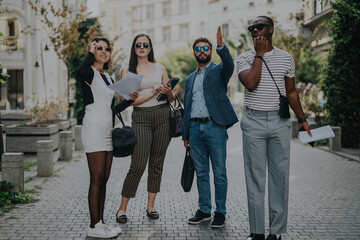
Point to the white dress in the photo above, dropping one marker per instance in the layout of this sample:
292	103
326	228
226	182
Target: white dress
97	122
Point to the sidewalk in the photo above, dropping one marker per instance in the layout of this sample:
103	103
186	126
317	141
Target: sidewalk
324	200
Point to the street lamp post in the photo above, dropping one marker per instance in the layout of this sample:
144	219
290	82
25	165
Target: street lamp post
46	48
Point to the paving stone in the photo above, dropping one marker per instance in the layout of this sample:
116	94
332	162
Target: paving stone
323	201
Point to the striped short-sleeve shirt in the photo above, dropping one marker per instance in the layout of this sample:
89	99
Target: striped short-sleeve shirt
266	96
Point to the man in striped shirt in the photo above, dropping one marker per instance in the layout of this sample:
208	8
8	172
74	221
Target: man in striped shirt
266	136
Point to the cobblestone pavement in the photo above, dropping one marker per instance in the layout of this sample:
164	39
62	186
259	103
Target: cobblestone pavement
324	200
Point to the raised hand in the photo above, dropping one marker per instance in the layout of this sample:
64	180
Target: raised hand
93	46
219	37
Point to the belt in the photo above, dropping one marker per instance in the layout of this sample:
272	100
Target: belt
200	120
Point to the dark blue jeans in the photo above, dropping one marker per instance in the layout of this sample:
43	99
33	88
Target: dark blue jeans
209	140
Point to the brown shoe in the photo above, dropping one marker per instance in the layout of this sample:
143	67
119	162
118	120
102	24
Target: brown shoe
152	214
122	218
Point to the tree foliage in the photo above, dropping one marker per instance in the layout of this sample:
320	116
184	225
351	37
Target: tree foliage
341	84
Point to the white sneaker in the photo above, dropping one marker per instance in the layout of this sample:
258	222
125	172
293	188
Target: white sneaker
99	231
115	229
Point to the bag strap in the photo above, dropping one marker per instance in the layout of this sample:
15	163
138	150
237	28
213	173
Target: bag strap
271	75
188	152
119	116
179	103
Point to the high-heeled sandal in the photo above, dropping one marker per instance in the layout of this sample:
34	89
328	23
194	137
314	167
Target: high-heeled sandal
122	218
152	214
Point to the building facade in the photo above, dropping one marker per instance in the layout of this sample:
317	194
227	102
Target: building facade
28	57
315	13
177	23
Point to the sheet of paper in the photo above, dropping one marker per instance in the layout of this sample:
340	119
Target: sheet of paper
129	84
317	134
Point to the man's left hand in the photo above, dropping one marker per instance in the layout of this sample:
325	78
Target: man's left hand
305	125
220	41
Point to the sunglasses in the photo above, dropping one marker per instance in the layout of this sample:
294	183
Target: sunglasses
145	45
259	27
106	49
198	48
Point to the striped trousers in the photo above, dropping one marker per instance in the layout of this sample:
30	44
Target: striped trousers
152	129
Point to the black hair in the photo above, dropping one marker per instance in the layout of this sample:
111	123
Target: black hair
133	61
202	39
267	18
108	64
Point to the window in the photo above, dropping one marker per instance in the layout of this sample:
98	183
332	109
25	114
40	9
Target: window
16	89
202	28
150	32
318	7
166	34
225	29
251	4
184	31
150	11
166	9
11	26
270	1
184	6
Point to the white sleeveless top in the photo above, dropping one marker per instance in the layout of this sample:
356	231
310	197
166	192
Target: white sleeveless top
147	85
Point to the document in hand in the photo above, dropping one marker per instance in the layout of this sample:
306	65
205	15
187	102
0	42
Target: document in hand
129	84
317	134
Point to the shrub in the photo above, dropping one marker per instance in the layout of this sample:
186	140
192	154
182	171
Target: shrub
8	198
341	84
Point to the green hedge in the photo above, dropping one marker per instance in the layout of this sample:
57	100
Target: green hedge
341	83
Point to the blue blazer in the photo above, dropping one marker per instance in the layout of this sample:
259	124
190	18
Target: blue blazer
216	79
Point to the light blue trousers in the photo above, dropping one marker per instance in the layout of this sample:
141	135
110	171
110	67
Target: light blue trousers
266	141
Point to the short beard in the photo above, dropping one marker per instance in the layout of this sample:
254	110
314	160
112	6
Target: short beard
205	60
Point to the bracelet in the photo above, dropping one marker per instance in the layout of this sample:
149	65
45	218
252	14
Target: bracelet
301	120
260	57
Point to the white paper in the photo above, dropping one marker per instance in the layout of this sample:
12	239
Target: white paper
129	84
317	134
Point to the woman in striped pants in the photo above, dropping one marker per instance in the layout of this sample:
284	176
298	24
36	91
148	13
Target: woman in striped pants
150	121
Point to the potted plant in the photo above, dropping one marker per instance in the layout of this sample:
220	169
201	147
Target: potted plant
45	114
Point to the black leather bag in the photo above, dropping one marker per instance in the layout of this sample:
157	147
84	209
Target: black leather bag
124	139
284	107
176	118
284	101
188	171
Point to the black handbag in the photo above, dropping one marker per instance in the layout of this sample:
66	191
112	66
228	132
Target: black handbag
176	118
284	101
187	175
124	139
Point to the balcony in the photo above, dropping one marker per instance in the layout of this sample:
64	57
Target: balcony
10	45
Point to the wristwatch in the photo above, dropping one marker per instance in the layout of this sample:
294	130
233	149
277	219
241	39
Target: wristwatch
301	120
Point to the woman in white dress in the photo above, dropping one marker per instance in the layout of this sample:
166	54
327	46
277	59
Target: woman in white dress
96	131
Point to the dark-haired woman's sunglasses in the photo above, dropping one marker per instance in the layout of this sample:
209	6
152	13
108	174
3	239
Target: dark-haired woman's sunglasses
259	27
198	48
138	45
106	49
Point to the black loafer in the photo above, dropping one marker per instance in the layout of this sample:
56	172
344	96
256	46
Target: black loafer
152	214
256	237
122	218
273	237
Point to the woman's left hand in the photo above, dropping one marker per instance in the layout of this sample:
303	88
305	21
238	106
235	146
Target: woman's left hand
134	95
165	89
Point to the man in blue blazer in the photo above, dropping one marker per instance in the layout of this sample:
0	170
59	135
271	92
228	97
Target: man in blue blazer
208	113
